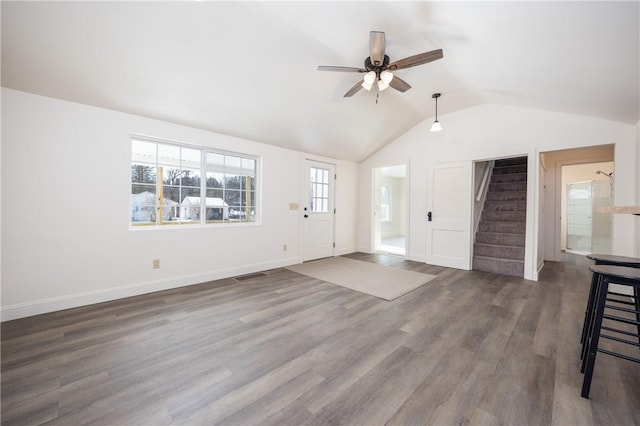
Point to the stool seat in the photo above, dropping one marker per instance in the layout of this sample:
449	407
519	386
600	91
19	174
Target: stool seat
610	259
617	271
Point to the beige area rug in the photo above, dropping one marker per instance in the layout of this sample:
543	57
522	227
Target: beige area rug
384	282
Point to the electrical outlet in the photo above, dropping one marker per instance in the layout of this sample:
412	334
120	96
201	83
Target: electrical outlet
156	263
284	247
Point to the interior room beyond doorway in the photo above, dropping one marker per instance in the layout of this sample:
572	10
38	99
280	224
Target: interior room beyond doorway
389	233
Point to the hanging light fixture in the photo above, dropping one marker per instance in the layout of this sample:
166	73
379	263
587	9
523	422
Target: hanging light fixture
436	127
385	79
368	80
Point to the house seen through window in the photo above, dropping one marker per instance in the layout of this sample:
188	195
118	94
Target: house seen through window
173	184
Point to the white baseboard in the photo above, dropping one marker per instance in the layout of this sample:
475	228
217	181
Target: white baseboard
42	306
344	250
540	265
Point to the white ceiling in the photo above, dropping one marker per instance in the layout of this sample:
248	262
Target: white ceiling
248	69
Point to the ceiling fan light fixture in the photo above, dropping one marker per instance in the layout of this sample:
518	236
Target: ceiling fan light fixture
368	80
386	76
436	127
382	85
370	77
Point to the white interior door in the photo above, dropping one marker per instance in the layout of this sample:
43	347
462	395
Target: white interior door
449	230
318	210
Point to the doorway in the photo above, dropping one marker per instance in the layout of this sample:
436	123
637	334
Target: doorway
390	211
570	166
318	210
587	188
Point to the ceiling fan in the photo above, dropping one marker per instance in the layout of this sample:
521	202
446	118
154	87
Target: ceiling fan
378	69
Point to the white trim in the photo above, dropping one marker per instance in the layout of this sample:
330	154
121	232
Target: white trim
37	307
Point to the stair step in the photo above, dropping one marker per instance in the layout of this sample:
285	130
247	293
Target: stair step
499	251
509	169
501	226
500	238
506	195
516	161
498	266
499	205
508	186
509	177
504	216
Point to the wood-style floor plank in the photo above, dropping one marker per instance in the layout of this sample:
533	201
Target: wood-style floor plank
285	349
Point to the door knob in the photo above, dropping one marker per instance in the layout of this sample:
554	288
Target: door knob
429	216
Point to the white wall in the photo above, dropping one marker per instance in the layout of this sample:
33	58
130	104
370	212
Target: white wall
66	239
491	131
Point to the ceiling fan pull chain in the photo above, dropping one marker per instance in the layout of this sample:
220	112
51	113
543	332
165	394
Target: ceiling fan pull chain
377	96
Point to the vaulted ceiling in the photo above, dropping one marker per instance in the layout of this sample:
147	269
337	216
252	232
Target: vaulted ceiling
248	69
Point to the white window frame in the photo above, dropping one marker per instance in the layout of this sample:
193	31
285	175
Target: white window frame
255	218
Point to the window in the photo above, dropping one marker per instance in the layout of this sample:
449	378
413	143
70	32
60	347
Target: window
319	191
385	203
179	185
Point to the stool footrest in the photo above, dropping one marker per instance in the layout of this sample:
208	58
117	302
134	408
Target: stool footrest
615	293
617	339
628	333
628	358
621	319
621	309
623	302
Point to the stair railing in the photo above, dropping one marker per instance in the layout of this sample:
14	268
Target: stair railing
485	178
481	195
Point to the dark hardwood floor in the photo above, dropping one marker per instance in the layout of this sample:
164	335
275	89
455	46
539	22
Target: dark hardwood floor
286	349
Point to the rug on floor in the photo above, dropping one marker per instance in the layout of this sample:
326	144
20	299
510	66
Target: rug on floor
385	282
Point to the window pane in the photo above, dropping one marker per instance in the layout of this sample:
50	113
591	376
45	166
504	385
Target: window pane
169	155
142	173
143	205
233	198
190	177
325	176
215	162
143	152
232	182
232	164
191	158
215	180
248	167
171	193
214	193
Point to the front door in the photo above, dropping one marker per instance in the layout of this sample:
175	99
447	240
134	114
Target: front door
449	222
318	210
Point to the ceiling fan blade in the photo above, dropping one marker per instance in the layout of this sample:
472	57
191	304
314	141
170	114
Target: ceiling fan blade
399	84
341	69
353	90
377	45
415	60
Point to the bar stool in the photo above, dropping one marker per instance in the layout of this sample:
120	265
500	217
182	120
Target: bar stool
603	276
607	259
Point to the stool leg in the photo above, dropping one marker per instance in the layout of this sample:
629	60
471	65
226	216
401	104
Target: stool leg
592	342
597	280
589	309
636	297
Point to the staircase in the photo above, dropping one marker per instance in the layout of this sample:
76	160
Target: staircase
499	246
